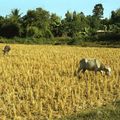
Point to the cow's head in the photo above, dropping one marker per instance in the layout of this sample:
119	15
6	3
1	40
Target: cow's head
108	71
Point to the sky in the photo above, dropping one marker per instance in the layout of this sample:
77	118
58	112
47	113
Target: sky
60	7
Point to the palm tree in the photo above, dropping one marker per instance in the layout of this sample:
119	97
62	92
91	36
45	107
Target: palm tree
15	16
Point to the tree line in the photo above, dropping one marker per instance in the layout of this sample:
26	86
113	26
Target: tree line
40	23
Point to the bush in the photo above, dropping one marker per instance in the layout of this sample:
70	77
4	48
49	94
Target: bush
33	31
10	30
109	37
48	34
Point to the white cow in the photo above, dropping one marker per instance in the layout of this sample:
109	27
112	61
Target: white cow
92	65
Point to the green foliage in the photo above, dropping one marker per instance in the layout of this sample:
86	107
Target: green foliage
115	16
39	23
55	24
1	21
110	36
34	32
74	23
115	21
9	29
93	22
38	18
109	112
98	10
48	34
15	16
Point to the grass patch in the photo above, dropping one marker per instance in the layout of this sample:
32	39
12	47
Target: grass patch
109	112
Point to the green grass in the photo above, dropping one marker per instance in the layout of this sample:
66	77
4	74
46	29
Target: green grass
63	41
108	112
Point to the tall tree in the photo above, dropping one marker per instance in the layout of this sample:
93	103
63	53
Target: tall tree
9	29
93	22
15	15
115	16
38	18
55	23
98	10
12	25
74	23
67	24
115	20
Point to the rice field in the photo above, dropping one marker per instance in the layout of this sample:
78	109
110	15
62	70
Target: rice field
37	81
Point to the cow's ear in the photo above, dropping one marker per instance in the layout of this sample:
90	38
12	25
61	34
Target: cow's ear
98	63
86	60
109	69
102	72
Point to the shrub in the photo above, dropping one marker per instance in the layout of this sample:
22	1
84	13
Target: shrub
33	31
9	30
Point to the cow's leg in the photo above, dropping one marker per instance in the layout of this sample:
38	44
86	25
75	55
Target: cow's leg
101	72
83	71
78	71
96	71
3	52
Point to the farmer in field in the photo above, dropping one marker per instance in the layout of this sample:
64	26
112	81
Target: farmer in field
6	49
92	65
